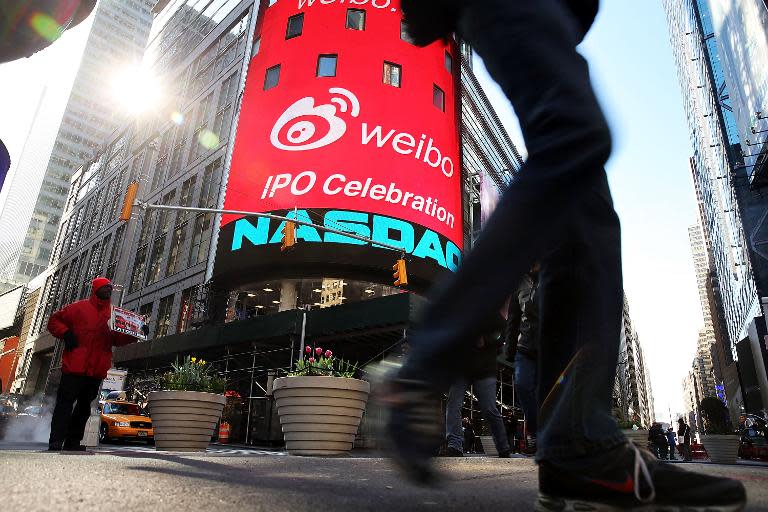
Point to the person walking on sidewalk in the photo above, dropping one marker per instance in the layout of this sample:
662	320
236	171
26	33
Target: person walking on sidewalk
557	211
88	342
672	441
482	377
522	345
684	433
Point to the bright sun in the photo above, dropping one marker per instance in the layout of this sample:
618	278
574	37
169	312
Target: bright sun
136	90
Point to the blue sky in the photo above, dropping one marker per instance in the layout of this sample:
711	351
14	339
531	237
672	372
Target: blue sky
634	73
635	77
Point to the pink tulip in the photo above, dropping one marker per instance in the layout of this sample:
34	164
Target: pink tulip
318	351
311	360
328	353
308	349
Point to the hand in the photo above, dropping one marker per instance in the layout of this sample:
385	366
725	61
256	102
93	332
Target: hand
70	341
429	20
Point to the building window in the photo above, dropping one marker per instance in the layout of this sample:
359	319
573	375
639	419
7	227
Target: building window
392	74
272	77
356	19
404	35
326	65
256	47
164	316
295	26
438	97
185	312
448	62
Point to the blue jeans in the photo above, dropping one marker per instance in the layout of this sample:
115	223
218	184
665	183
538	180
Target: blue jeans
485	392
557	211
525	387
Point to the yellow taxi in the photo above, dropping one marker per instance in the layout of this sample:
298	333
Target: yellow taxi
124	420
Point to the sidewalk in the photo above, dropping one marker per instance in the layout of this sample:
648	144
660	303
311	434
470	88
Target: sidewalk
138	478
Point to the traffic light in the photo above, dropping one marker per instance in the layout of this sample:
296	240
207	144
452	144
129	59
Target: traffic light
400	274
289	235
130	197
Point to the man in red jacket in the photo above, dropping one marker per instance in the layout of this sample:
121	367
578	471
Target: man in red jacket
88	342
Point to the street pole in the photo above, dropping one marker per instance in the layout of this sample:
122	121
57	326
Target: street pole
147	206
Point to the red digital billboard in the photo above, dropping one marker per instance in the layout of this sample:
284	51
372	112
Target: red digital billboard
346	124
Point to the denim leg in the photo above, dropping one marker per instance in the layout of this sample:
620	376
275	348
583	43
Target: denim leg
529	49
549	213
525	388
581	302
485	391
453	427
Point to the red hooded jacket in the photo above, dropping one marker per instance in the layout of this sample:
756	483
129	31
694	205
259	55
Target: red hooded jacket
88	320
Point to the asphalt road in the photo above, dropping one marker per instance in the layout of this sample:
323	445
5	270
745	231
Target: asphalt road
133	478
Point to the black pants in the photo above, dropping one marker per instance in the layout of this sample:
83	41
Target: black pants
73	407
557	211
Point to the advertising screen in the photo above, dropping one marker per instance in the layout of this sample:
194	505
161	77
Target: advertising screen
347	125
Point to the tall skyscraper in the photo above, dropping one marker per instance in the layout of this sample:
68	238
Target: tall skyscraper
633	395
729	210
76	115
703	357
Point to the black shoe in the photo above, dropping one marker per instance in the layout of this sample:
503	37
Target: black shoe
628	478
411	430
453	452
506	454
54	447
74	448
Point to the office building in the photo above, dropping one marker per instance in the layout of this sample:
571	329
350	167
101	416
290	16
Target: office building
75	114
728	209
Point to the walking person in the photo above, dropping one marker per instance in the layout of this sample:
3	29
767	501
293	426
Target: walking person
672	441
657	440
88	342
558	211
684	432
523	345
482	377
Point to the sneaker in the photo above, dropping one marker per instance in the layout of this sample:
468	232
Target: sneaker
412	429
453	452
505	454
632	479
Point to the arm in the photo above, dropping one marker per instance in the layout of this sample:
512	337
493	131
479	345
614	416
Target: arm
60	322
120	339
513	328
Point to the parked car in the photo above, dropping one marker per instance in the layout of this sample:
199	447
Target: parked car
34	411
123	420
754	438
7	412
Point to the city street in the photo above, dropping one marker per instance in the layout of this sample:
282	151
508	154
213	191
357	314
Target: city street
138	478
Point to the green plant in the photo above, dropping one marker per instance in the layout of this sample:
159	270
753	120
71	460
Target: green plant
317	362
716	417
629	425
193	374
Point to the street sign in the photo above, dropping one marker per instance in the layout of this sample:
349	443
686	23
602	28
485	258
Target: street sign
127	322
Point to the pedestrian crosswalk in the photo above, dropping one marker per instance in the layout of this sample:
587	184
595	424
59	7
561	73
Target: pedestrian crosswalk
215	450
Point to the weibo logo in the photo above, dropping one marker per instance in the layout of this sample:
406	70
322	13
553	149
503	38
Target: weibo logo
304	126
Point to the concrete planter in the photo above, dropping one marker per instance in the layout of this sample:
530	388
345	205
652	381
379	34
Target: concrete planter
184	421
638	437
320	415
722	449
489	447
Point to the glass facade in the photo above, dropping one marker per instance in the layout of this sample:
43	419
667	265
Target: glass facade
117	37
740	27
715	186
